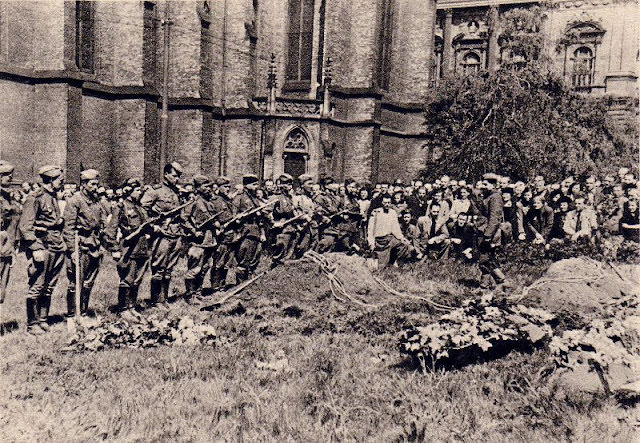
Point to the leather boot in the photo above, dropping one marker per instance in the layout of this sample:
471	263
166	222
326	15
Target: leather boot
84	301
217	279
32	317
166	282
242	274
123	295
44	303
132	299
189	286
71	302
155	290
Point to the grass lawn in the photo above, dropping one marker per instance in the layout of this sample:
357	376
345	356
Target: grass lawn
292	364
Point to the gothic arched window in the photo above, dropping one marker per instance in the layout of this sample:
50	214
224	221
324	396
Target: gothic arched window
295	153
300	41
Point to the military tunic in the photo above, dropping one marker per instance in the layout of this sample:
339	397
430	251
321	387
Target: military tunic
9	217
223	258
40	227
87	217
166	239
126	218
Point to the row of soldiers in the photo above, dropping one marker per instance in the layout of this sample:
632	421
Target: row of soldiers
223	230
221	234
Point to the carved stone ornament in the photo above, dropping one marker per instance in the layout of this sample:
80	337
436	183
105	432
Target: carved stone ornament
290	107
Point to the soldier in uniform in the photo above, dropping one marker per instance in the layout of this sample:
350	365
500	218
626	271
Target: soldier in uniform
167	231
86	217
223	259
493	212
199	218
40	226
9	217
248	248
303	202
132	251
283	210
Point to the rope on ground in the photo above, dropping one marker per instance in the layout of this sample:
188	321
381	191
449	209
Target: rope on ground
390	290
335	283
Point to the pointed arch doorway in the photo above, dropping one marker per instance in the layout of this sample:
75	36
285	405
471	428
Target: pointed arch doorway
295	153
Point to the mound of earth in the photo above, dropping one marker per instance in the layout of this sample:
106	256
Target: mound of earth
297	298
585	286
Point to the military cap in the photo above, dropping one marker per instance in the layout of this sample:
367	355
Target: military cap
333	186
222	180
89	174
490	177
285	179
134	183
305	178
249	178
200	180
6	168
177	167
51	171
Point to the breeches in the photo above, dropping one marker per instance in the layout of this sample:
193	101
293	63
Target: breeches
89	268
131	270
165	253
5	268
248	253
198	262
44	275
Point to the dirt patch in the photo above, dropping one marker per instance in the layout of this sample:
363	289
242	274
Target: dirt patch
586	286
296	298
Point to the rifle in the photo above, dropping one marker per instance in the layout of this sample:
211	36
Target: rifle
140	229
209	220
246	214
290	220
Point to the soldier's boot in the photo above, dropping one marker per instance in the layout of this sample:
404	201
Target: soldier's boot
71	302
85	294
132	299
155	289
123	295
32	317
190	288
242	274
166	283
44	304
218	277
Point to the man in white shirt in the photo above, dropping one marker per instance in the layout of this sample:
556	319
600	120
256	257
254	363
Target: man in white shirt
385	235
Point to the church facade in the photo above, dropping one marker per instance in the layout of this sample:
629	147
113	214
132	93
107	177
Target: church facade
324	87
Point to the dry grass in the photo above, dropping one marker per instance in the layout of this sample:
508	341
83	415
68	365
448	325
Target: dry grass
294	364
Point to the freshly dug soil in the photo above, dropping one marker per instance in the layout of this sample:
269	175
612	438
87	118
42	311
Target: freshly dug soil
585	286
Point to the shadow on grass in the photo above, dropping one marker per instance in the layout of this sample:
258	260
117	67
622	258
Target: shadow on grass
472	355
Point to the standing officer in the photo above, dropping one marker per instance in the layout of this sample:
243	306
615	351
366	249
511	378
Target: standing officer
9	217
167	231
224	257
199	225
493	211
41	227
132	251
86	217
249	248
